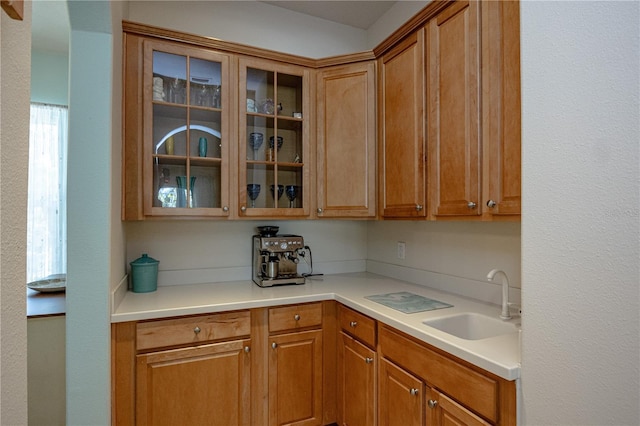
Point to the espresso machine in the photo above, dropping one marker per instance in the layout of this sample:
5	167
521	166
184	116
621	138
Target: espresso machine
276	257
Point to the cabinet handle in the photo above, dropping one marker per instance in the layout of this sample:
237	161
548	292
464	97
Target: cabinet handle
319	210
247	349
368	360
197	330
419	207
225	209
353	324
471	205
274	345
491	204
296	317
243	209
432	403
413	391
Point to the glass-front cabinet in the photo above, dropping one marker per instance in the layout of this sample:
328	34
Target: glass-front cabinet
186	131
273	134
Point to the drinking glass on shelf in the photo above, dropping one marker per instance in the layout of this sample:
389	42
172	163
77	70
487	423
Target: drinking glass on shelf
280	192
255	142
292	193
253	190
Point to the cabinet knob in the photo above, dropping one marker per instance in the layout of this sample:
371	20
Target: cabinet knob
419	207
274	345
243	209
432	403
368	360
491	204
471	205
225	209
413	391
353	323
319	210
197	330
296	317
247	349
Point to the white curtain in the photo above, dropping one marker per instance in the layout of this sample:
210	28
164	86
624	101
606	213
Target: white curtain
47	193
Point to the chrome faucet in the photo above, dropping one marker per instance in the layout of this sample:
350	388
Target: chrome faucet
505	314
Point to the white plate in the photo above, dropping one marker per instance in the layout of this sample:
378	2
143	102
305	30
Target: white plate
50	284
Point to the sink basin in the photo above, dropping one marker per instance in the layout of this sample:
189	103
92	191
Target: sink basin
470	326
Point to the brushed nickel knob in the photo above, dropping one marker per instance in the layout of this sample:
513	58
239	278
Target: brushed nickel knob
368	360
413	391
243	209
319	210
197	330
296	317
247	349
491	204
225	209
353	323
471	205
432	403
419	207
274	345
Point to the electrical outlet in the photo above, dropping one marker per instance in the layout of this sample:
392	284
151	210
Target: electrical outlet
401	249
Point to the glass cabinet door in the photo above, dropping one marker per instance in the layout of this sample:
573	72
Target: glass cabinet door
186	131
273	136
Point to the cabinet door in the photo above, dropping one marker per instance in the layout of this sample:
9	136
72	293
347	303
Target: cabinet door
274	156
402	156
346	143
295	378
443	411
186	131
401	397
501	107
454	110
356	383
192	386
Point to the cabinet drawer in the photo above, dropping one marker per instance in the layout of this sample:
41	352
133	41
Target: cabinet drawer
192	330
477	391
358	325
295	316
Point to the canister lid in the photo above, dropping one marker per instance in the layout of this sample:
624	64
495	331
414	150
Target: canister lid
144	260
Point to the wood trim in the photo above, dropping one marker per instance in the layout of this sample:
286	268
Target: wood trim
329	362
345	59
14	8
123	390
259	367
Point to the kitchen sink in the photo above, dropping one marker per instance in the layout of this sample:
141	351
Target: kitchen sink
470	326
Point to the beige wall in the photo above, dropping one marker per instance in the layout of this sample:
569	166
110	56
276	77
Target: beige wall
15	63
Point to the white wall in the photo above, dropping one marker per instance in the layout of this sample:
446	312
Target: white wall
49	78
15	63
397	15
580	222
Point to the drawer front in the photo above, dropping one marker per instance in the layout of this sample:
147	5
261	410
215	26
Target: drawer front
358	325
294	317
472	388
192	330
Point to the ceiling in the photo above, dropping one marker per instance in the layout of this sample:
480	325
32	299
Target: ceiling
50	22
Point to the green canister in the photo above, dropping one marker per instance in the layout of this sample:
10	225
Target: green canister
144	274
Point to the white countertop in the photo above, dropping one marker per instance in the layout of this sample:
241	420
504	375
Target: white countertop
499	355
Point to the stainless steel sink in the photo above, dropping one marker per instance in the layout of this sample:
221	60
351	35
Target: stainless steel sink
471	326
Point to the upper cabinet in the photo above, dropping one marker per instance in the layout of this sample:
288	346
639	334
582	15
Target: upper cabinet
402	144
177	137
273	132
453	70
346	141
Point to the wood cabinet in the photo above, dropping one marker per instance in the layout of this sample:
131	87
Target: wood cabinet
177	141
346	141
401	397
453	69
357	369
450	388
295	365
402	121
191	370
274	149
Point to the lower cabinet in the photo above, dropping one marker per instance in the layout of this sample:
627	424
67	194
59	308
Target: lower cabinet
443	410
207	384
401	397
